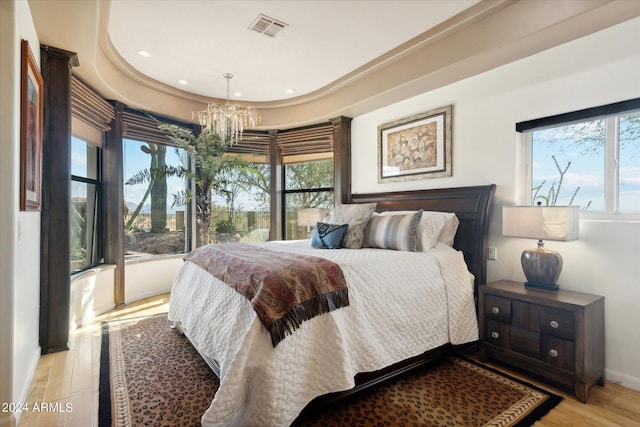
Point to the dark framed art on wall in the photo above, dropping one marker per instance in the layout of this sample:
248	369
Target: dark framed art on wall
415	147
31	111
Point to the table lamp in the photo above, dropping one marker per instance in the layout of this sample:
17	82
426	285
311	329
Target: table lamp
309	217
540	265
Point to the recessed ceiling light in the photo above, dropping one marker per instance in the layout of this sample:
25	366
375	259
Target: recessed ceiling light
144	53
182	82
291	91
237	93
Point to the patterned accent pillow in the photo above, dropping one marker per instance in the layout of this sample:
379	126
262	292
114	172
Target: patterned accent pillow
357	216
434	227
397	232
328	236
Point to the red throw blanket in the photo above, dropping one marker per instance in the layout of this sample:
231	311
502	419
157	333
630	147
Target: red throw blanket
285	289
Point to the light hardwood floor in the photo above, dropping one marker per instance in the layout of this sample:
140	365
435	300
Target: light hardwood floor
72	377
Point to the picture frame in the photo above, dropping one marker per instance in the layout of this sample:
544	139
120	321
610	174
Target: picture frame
31	116
416	147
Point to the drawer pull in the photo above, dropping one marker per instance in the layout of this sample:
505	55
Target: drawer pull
495	335
554	324
495	310
553	352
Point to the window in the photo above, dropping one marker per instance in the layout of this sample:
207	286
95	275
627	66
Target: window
307	185
90	119
153	223
629	163
593	162
85	205
241	201
308	177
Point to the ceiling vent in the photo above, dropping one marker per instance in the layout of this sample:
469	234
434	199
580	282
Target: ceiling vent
267	26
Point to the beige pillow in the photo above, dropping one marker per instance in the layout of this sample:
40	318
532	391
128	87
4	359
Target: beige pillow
450	228
357	215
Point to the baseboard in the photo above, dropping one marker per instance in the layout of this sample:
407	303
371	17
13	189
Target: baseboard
130	298
104	309
27	385
17	393
624	380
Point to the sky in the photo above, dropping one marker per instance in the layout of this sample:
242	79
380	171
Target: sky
586	171
135	160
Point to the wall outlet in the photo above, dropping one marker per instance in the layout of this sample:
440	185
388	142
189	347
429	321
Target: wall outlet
493	253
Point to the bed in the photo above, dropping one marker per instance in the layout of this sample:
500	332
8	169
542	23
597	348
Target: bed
378	336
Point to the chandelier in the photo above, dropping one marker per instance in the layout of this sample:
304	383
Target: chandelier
228	120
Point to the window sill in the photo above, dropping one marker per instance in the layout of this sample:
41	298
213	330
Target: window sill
608	217
141	259
92	271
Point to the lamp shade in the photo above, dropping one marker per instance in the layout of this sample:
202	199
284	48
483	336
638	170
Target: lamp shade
541	266
309	217
541	222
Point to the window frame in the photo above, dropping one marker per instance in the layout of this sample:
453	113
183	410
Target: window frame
611	113
98	243
286	191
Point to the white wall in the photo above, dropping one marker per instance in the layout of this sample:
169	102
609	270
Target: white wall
148	277
19	231
91	294
598	69
92	290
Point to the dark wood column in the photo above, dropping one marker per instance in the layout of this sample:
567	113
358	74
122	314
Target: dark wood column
342	158
55	270
276	170
113	194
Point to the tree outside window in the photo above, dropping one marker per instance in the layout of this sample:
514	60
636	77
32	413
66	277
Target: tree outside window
593	163
153	224
307	185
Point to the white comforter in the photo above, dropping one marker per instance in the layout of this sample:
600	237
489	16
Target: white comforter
401	305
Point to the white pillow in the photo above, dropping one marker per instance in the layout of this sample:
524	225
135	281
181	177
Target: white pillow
433	227
450	228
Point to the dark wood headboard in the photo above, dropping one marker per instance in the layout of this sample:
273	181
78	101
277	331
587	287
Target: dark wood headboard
472	206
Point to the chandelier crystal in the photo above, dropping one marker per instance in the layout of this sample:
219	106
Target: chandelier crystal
228	120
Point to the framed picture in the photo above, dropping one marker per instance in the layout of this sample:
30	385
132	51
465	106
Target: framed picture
31	110
415	147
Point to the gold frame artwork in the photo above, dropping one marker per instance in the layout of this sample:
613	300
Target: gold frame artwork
416	147
31	112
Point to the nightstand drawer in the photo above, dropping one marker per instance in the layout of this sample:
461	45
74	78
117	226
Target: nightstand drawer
524	341
498	308
498	333
556	322
558	352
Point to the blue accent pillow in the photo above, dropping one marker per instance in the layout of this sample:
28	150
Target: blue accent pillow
328	236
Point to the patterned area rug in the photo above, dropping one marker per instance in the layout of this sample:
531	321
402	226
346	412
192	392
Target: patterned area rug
151	375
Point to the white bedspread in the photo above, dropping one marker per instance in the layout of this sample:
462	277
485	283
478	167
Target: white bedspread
401	305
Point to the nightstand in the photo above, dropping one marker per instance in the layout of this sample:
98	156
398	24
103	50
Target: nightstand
557	335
